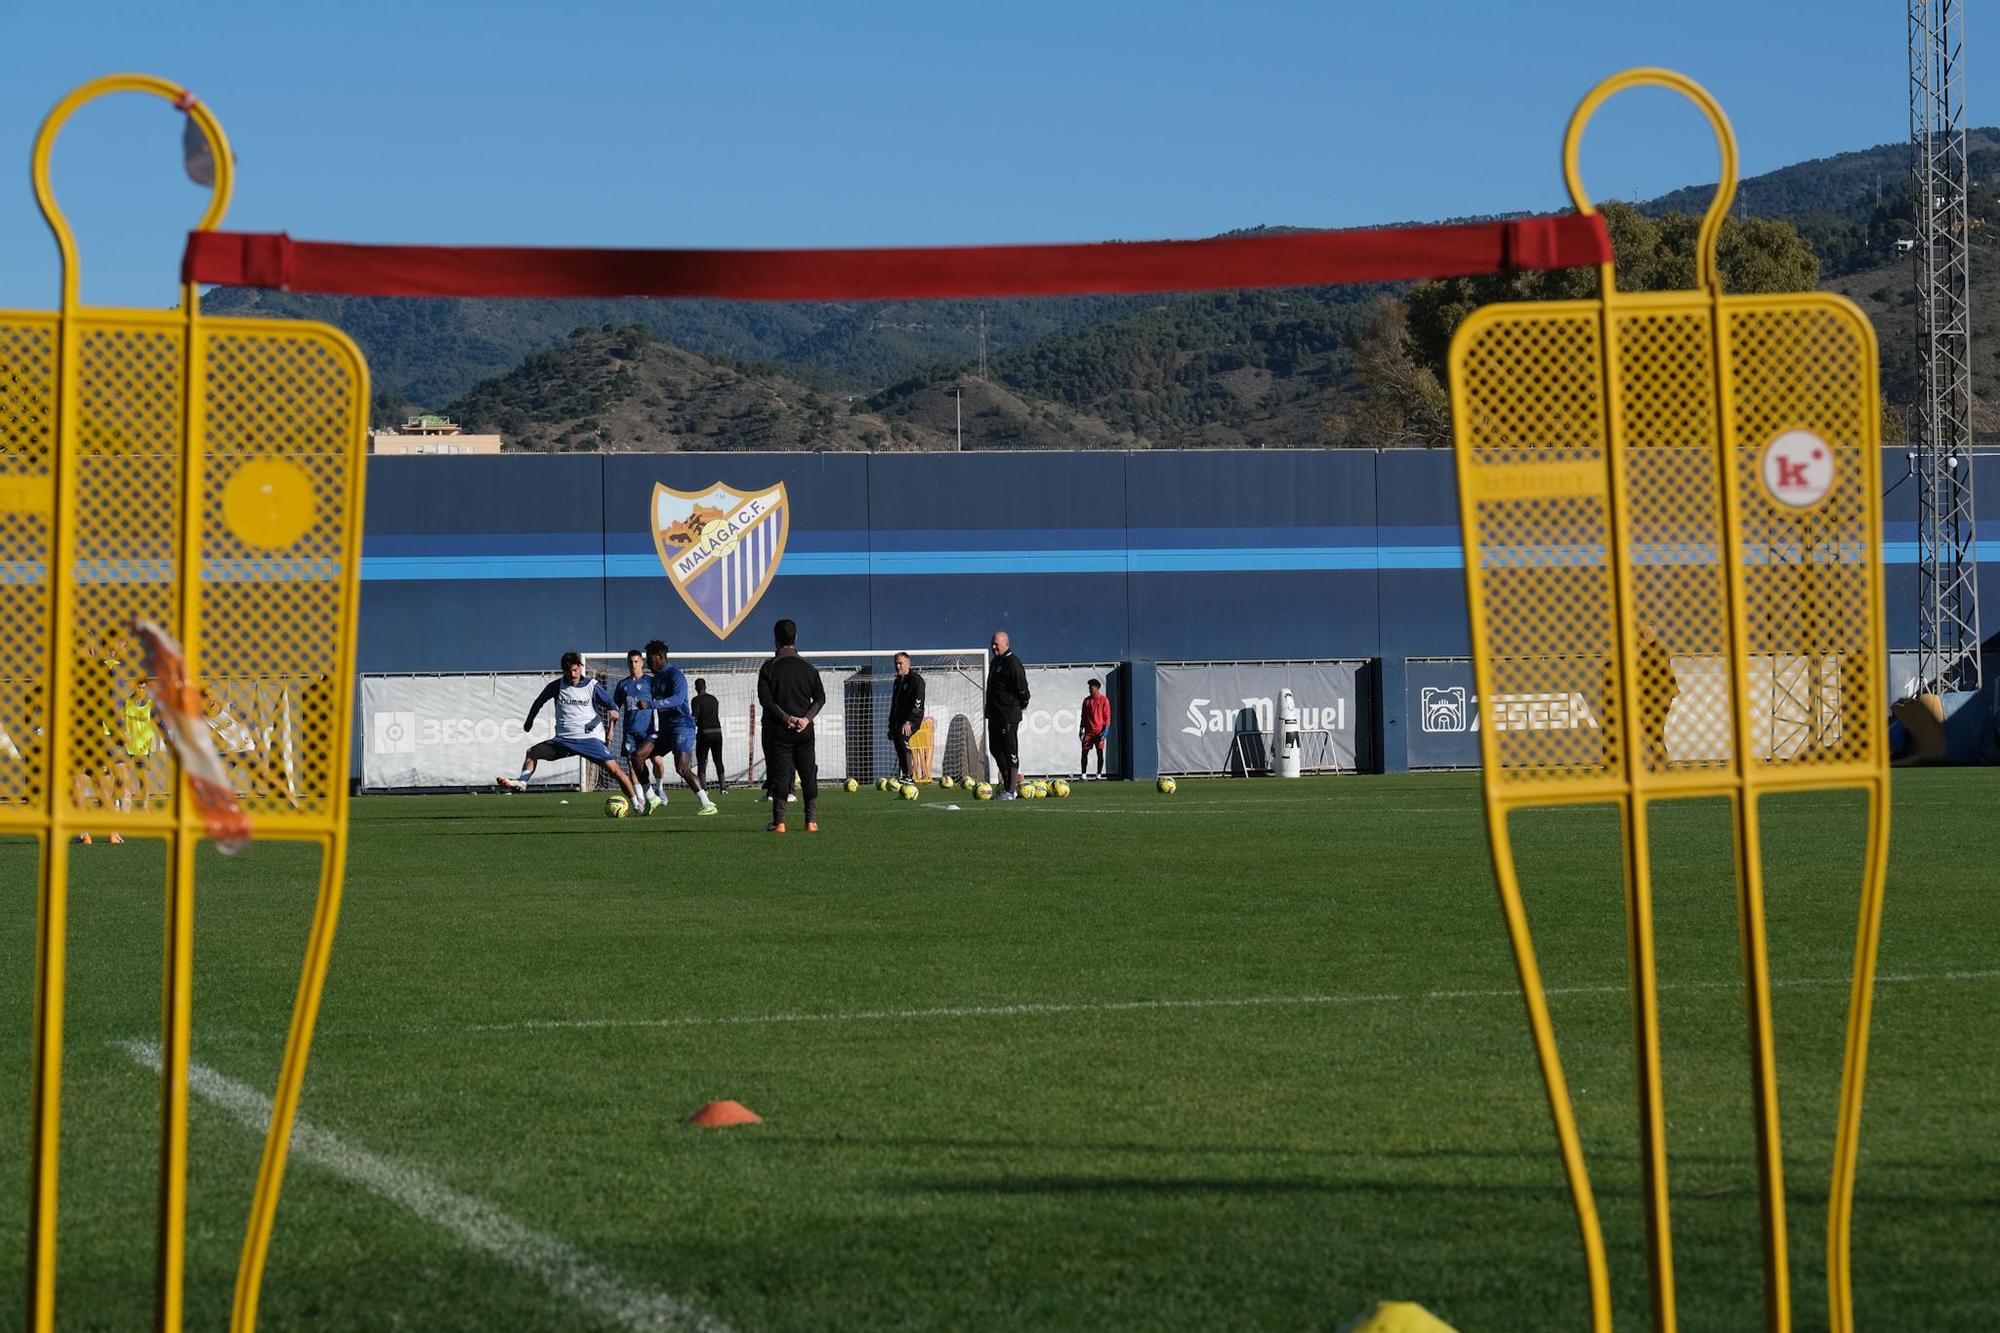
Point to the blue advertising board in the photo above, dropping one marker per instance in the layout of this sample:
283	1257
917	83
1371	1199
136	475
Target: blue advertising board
1443	714
501	563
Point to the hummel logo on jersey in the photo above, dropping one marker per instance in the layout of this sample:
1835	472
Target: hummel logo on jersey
720	548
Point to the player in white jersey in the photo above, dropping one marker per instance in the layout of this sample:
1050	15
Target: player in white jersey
581	704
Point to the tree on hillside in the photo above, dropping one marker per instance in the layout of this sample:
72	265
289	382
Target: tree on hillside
1404	402
1653	255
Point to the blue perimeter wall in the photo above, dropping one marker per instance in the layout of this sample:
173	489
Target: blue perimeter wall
481	564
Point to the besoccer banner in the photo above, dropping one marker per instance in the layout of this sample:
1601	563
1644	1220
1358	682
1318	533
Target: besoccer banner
1050	746
453	731
1219	717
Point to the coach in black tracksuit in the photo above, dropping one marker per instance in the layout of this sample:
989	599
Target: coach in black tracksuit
906	713
790	695
707	710
1006	696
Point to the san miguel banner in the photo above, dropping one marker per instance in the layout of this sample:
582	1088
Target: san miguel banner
1219	718
720	548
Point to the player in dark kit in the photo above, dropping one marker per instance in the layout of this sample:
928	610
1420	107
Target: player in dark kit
673	725
1006	698
790	695
707	711
906	713
634	697
1657	687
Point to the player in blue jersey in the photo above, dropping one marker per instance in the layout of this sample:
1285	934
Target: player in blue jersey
581	703
673	726
634	697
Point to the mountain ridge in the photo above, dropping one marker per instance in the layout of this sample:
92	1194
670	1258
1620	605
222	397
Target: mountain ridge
1262	368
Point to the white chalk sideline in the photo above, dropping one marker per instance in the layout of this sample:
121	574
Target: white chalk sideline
1031	1010
563	1268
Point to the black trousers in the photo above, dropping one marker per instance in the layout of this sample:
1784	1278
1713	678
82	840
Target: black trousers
1004	739
707	744
788	755
902	744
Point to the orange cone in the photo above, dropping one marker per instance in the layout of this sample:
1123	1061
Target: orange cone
716	1115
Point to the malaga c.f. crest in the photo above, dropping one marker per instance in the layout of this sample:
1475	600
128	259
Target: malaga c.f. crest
720	547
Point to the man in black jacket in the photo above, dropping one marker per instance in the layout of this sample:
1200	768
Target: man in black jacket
707	710
1006	697
906	713
790	695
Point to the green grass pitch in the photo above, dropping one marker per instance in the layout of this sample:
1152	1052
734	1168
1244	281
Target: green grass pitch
1252	1056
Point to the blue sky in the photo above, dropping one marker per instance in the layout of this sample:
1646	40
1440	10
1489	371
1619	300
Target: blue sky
899	123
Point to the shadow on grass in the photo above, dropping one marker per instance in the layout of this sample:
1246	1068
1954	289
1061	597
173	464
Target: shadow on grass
544	831
1804	1195
537	832
1170	1185
448	819
1163	1185
1801	1165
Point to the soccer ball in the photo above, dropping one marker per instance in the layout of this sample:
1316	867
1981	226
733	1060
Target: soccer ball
910	791
1031	791
852	785
881	784
984	792
947	783
617	807
1061	788
1166	786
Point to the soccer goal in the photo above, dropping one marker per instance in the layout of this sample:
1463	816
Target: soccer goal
854	726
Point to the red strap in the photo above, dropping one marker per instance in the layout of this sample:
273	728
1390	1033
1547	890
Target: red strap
1301	259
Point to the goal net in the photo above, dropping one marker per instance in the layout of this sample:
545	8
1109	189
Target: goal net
854	725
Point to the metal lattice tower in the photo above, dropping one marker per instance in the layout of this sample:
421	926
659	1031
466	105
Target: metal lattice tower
1947	564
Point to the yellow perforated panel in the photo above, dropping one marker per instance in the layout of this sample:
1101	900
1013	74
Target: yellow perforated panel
276	520
1534	471
281	411
1553	527
27	445
1667	419
1809	571
127	460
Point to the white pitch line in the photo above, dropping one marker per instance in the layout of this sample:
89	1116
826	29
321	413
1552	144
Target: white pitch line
1031	1010
1052	806
563	1268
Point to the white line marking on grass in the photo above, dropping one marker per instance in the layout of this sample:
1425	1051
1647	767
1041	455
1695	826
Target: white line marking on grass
564	1269
1032	1010
1050	806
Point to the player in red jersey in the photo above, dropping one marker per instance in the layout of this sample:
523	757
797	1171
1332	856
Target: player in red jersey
1096	721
